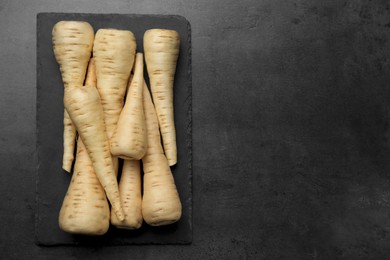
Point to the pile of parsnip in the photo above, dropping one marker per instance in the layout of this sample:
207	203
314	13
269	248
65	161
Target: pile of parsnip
109	116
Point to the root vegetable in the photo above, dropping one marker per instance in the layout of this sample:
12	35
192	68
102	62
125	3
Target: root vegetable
130	193
161	49
90	79
85	208
72	46
85	109
129	138
160	203
69	142
114	52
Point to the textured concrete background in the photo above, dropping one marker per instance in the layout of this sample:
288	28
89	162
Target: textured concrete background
291	137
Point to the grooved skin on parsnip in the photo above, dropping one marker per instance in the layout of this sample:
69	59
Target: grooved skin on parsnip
130	193
161	49
72	45
129	138
114	52
69	140
85	208
160	203
85	109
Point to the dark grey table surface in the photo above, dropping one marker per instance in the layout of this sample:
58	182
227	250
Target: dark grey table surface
291	134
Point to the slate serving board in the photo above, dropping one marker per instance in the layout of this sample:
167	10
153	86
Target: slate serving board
52	181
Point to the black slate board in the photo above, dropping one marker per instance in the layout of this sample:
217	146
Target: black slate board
52	181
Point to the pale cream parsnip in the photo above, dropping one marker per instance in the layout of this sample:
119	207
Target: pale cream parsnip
160	203
72	45
161	47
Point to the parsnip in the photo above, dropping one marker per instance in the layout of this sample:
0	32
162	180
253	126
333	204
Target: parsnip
129	138
85	109
69	140
161	47
130	193
72	46
90	79
160	203
85	208
114	52
130	185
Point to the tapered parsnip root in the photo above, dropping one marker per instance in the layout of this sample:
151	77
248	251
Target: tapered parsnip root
72	46
69	140
129	138
161	49
90	79
84	107
85	208
130	192
160	203
114	52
